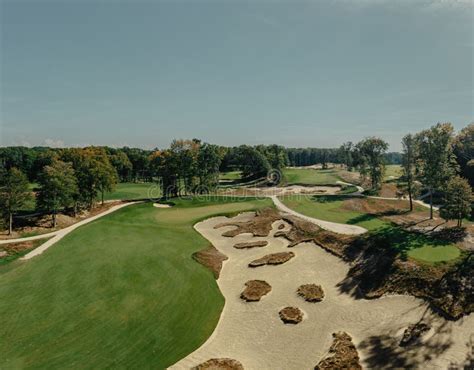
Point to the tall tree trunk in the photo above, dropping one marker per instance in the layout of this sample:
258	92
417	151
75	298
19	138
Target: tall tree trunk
410	196
102	192
10	223
431	204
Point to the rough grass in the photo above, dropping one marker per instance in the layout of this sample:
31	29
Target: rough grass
120	292
17	250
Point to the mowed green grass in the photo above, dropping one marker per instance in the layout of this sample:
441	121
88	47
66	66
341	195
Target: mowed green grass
329	208
392	171
310	176
131	190
120	292
414	245
231	175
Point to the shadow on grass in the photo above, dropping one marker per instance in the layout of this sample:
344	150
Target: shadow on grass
330	198
376	253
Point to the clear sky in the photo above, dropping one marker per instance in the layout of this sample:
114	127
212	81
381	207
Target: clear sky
296	73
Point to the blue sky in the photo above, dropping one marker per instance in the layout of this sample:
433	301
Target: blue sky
304	73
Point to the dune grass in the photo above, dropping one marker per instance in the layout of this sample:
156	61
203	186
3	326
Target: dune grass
120	292
409	244
310	176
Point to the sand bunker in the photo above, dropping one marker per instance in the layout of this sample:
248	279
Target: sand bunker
161	205
291	315
257	244
284	190
311	292
254	335
272	259
255	290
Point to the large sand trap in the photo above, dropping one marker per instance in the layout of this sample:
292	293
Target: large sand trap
284	190
253	333
161	205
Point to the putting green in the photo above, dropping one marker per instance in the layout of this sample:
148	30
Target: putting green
120	292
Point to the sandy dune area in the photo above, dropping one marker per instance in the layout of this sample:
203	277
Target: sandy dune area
252	332
283	190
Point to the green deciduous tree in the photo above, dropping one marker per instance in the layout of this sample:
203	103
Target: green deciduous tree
464	151
58	188
14	194
409	160
122	165
346	156
252	163
458	199
105	177
371	162
208	162
436	160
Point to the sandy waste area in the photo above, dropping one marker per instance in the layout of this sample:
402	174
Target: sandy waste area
253	334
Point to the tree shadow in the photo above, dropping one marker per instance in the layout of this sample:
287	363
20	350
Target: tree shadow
373	257
468	363
384	351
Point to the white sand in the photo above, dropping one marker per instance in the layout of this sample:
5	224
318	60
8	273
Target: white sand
253	334
296	189
161	205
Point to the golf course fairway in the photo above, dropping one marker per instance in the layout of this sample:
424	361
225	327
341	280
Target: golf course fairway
120	292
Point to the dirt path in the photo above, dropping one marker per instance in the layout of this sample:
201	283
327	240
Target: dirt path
331	226
253	333
58	235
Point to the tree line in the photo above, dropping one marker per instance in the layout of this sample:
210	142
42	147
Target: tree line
299	157
73	178
435	161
